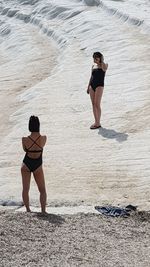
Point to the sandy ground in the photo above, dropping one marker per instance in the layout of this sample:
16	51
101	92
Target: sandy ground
74	240
106	166
15	78
79	239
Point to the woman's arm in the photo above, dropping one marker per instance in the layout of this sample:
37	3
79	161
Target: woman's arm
23	145
105	66
44	140
89	85
90	80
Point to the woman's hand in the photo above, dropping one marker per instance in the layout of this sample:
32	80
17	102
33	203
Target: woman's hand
88	90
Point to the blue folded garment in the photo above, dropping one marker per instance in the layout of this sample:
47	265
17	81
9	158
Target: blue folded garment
115	211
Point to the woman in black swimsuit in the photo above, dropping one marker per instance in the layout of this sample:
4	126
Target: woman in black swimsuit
96	87
32	162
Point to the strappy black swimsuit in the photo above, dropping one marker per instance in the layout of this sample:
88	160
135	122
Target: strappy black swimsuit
97	78
33	163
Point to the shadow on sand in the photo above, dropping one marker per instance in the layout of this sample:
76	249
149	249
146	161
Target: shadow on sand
51	218
112	134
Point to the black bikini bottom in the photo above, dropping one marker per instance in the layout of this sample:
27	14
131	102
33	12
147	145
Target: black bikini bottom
95	85
31	163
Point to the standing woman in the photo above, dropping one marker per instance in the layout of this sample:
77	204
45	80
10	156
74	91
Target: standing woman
96	87
32	163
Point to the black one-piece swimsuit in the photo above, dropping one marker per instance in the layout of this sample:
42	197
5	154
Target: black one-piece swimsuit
33	163
97	78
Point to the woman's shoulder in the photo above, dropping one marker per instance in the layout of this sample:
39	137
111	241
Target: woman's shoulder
43	136
94	68
24	138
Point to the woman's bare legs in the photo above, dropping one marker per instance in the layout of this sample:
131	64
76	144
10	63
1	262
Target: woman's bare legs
39	178
92	96
96	97
97	104
26	177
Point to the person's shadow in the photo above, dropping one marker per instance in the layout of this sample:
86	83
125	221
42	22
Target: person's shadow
51	218
112	134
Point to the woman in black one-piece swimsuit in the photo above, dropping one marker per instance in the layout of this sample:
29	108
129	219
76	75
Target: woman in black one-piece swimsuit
96	87
32	163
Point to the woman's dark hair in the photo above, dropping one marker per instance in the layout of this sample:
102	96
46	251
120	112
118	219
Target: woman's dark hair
34	124
98	55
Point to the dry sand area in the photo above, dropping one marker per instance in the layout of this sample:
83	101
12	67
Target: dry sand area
21	73
113	168
89	240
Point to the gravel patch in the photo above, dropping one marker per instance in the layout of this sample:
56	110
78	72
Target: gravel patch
30	239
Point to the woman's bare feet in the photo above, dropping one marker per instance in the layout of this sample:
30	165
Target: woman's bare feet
28	210
94	126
